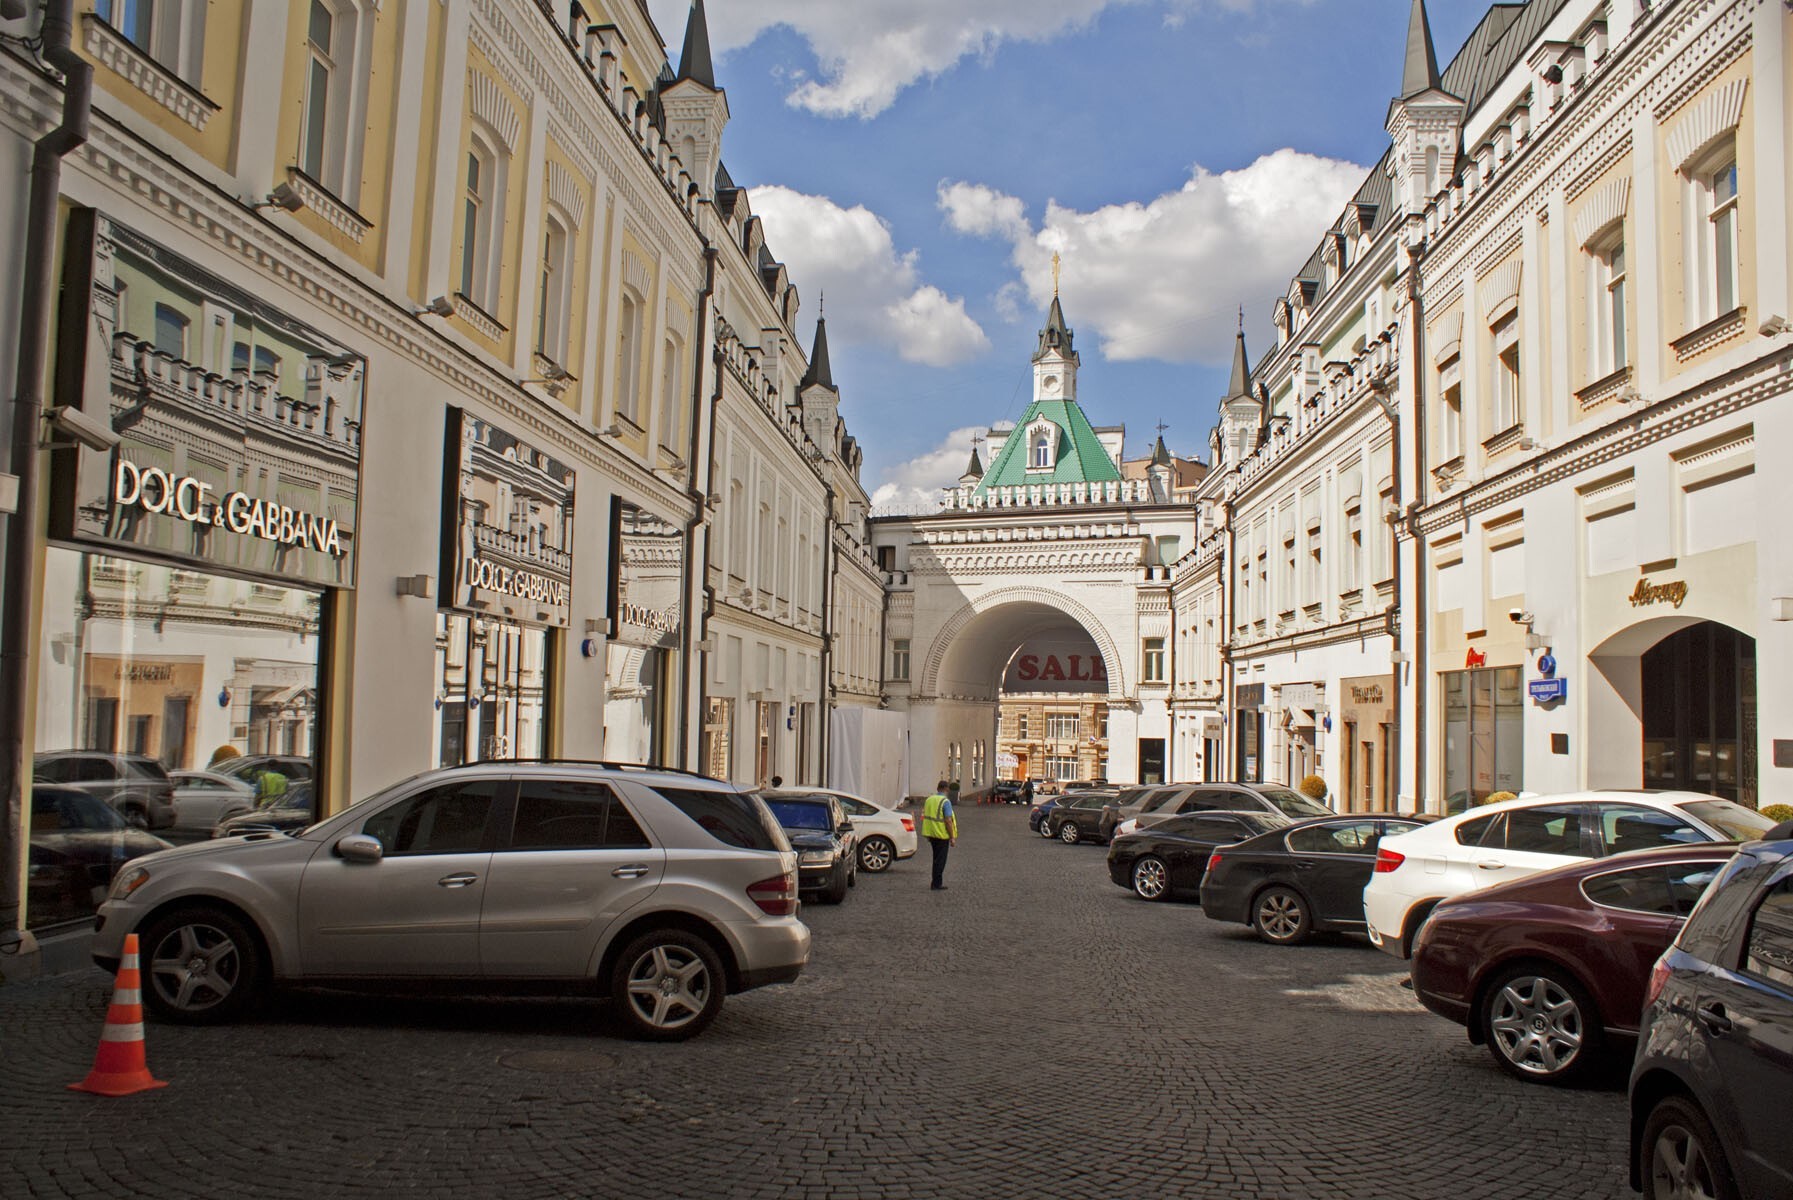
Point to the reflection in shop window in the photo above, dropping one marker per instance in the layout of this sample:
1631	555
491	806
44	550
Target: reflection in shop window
719	743
492	689
1484	745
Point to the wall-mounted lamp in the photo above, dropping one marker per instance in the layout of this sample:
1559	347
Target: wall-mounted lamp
284	197
1531	444
441	306
1630	395
1781	608
421	586
612	430
1773	326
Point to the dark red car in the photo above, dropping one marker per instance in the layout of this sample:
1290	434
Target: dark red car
1549	971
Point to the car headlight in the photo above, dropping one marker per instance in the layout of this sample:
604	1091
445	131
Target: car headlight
817	856
127	882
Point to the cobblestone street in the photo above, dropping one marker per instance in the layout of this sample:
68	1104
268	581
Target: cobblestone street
1034	1031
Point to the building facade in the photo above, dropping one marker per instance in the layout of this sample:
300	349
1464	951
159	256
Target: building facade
404	372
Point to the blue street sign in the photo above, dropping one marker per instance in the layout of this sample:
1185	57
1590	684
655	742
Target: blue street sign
1546	690
1546	665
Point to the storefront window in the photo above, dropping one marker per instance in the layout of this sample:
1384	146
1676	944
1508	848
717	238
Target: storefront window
1484	744
164	695
646	611
719	742
491	689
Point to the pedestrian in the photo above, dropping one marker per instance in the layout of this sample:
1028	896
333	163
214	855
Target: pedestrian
940	826
1027	792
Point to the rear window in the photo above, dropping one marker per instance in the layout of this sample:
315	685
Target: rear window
1293	804
146	768
1737	823
800	814
732	818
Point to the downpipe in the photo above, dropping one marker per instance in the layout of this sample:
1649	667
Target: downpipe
17	583
700	511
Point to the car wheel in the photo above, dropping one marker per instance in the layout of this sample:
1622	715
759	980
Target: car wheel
1069	834
668	985
836	890
201	966
853	874
876	854
1680	1156
1280	916
1151	879
1046	830
1540	1025
135	817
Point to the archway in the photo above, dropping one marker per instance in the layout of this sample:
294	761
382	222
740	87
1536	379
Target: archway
1672	704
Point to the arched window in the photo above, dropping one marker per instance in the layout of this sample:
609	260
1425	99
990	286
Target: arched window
482	206
1042	449
551	312
628	357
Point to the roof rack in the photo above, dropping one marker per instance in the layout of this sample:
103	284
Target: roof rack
640	768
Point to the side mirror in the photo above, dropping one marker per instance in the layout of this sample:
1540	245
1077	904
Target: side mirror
360	848
845	828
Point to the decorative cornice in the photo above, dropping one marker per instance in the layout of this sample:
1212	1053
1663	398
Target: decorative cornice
1604	209
488	102
568	193
332	211
1712	118
1714	332
111	49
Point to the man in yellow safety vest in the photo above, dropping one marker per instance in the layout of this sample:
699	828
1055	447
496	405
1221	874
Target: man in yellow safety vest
940	825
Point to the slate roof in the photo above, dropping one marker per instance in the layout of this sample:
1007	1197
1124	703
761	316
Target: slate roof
1081	458
694	59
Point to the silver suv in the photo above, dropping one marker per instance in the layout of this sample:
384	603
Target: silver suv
660	889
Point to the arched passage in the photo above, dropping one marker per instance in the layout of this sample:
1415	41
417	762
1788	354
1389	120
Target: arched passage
974	646
1672	704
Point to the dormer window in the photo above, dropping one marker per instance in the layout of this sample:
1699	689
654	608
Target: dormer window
1042	446
1042	450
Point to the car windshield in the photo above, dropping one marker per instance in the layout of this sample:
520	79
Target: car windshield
1293	804
78	810
797	814
1736	822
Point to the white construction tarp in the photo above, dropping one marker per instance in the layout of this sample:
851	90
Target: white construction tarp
868	754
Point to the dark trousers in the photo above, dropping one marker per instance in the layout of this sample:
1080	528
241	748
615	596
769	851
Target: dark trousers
941	846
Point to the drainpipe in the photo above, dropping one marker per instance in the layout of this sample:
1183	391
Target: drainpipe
825	697
699	512
39	295
1392	410
1416	253
1231	672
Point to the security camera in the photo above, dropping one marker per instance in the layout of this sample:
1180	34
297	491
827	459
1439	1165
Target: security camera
74	424
1519	616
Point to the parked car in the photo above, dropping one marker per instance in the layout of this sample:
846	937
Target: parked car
134	784
885	836
1076	817
1007	791
1497	843
1715	1047
249	768
1172	857
78	843
1548	971
822	836
1289	883
292	811
659	889
1180	799
203	798
1036	816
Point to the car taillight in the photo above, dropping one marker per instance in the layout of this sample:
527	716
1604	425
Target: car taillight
776	896
1658	980
1388	860
908	824
1213	861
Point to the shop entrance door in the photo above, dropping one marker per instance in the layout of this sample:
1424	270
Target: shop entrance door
1699	702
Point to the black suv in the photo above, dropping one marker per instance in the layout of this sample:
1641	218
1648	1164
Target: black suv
1713	1049
134	784
1180	799
822	835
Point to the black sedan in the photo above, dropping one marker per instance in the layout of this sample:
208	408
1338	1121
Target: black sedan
1290	882
1172	856
822	835
78	843
1077	816
1036	816
289	812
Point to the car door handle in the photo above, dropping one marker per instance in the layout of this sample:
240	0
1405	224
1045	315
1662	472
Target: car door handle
632	871
1712	1016
1304	864
1491	864
457	881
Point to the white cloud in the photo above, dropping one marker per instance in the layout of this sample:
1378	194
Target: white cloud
868	51
915	486
875	295
1164	279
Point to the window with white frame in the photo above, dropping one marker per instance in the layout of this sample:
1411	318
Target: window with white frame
482	209
1285	584
672	400
1021	726
1506	373
1450	410
551	311
899	662
630	332
170	31
171	331
1042	450
1262	609
1315	568
1061	727
1154	660
1607	351
1712	257
336	45
1353	564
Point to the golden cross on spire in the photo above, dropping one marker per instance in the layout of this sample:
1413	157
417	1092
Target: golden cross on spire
1055	274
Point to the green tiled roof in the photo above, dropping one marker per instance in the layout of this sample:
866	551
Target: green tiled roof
1081	458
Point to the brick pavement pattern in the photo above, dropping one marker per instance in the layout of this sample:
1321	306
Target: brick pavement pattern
1033	1031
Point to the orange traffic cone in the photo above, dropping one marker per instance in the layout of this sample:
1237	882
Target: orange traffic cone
119	1068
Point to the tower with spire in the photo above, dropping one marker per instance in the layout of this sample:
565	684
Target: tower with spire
1055	362
1241	413
696	109
816	393
1425	122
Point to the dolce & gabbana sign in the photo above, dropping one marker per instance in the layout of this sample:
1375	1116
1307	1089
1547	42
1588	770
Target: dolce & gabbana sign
238	428
507	525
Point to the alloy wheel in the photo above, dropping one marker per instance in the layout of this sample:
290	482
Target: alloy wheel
1150	879
1069	834
195	967
1046	830
1280	916
1679	1167
668	987
875	854
1536	1025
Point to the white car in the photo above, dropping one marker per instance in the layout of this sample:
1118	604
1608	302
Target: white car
1500	842
203	798
885	835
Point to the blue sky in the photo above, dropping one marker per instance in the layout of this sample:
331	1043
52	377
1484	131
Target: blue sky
921	160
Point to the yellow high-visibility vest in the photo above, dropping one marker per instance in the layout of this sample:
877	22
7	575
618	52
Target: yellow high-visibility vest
933	817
